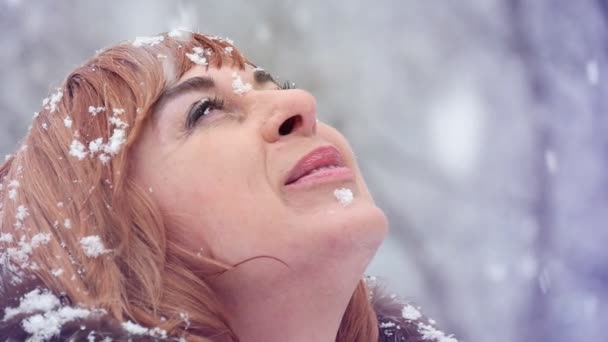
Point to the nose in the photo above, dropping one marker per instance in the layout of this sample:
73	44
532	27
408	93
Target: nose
293	112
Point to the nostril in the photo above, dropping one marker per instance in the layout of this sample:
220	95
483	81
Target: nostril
290	124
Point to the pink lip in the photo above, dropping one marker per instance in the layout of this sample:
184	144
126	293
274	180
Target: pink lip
323	156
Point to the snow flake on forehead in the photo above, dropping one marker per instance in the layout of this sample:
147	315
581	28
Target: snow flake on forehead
197	56
149	41
344	196
50	103
238	86
93	246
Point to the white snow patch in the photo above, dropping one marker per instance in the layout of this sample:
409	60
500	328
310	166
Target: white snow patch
197	56
50	103
78	150
57	272
44	326
117	139
238	86
150	41
93	246
410	313
96	110
35	300
22	213
432	334
134	328
67	122
6	237
387	325
180	33
12	194
96	145
344	196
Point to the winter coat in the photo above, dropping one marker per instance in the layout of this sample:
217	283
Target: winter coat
398	322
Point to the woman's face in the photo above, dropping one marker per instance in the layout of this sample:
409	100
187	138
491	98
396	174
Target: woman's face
220	180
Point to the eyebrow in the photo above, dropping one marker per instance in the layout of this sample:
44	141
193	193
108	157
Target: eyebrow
204	83
261	76
199	83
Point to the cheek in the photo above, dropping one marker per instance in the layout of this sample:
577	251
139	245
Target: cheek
228	211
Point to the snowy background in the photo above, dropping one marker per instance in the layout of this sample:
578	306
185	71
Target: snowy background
479	125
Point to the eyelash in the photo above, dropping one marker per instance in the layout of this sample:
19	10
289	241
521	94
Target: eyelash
205	106
202	108
288	85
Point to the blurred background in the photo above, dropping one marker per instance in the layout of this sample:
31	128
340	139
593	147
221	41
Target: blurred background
480	127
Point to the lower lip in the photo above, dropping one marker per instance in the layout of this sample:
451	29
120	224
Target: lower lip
322	177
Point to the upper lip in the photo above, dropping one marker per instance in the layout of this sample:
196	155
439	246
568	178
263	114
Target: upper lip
319	157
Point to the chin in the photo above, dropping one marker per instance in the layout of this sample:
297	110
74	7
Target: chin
360	226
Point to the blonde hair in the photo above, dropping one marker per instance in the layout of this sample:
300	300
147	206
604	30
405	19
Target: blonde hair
68	188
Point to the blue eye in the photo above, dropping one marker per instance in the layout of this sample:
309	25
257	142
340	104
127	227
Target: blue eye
202	108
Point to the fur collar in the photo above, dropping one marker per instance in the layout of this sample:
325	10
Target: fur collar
397	321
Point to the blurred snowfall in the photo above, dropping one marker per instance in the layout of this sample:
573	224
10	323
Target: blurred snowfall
478	125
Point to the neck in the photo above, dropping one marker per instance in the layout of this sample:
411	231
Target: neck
286	307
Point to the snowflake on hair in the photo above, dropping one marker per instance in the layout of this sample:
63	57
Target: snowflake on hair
197	56
51	102
149	41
